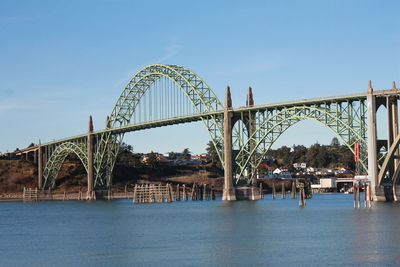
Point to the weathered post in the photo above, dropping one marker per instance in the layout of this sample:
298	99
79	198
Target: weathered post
302	200
193	192
273	190
293	191
283	190
184	192
40	166
365	194
89	145
178	193
134	200
229	190
261	191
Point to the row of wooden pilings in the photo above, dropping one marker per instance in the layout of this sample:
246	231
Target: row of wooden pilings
151	193
357	195
302	195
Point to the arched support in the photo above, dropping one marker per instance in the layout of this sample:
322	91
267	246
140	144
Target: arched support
271	127
56	159
197	92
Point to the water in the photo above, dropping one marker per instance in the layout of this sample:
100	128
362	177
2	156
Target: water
328	231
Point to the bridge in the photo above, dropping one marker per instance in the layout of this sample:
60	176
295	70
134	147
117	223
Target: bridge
162	95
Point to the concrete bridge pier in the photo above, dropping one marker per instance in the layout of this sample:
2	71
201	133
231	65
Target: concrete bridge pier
393	131
89	145
40	165
383	183
377	191
229	192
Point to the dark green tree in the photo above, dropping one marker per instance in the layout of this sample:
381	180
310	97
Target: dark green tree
152	160
186	154
212	154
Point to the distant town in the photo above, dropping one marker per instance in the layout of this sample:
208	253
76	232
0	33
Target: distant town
330	168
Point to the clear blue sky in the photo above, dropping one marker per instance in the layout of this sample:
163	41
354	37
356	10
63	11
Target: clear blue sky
61	61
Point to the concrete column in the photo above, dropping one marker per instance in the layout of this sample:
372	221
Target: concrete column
229	190
40	166
395	131
251	130
390	137
89	145
372	146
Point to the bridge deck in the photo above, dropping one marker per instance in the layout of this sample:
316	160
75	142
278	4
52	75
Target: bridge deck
198	117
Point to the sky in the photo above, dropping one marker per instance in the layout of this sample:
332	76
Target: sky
61	61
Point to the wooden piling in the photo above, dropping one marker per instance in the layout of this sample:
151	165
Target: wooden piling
293	191
273	190
178	193
302	201
365	195
283	190
184	194
261	191
192	197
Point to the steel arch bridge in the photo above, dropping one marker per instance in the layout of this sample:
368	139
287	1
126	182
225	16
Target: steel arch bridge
161	95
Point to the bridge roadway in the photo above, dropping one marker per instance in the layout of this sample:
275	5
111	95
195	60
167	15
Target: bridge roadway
200	116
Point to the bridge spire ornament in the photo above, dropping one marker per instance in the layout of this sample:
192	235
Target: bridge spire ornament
394	86
370	90
250	99
228	98
90	128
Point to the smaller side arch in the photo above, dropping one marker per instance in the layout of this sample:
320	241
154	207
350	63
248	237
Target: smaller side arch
56	159
269	131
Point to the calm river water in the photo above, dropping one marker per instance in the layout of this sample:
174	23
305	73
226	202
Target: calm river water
328	231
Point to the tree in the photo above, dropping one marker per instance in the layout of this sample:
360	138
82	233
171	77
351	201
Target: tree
335	142
186	154
126	148
152	160
212	154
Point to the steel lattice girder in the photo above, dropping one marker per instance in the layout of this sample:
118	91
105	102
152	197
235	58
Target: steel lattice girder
58	153
346	119
197	91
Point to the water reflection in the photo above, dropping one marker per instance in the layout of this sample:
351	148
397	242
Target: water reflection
243	233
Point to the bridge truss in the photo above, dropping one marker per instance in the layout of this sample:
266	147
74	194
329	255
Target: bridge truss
161	95
345	117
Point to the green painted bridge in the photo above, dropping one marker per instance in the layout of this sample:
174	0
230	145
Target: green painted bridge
163	95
